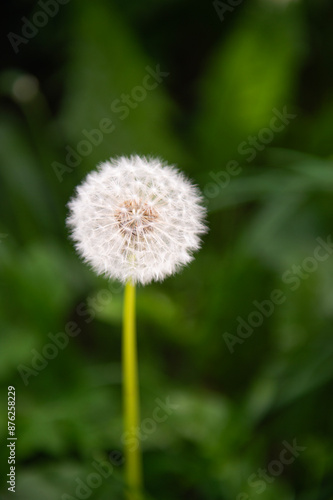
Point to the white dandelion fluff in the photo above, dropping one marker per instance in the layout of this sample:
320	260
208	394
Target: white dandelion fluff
136	219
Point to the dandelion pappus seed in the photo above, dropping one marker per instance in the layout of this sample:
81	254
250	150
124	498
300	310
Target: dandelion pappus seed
136	219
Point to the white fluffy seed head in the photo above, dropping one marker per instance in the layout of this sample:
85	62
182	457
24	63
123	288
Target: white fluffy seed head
136	219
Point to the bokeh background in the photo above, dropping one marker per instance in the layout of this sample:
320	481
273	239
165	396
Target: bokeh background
223	71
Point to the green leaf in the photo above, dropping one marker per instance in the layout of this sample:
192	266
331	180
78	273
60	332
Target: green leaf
106	65
250	74
25	199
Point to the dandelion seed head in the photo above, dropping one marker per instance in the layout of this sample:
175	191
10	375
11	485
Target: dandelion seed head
136	219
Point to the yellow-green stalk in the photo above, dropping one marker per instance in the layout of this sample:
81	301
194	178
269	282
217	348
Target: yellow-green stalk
133	460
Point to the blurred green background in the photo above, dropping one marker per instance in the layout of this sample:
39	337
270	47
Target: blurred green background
239	95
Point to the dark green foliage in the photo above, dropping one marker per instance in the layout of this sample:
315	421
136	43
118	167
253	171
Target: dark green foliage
244	107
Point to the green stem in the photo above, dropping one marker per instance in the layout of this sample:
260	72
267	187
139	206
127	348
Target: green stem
133	464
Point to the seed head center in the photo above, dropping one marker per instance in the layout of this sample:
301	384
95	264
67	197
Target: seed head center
135	218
